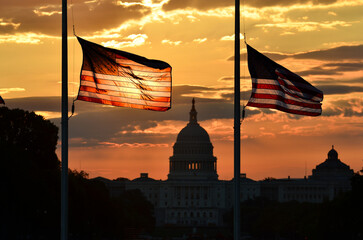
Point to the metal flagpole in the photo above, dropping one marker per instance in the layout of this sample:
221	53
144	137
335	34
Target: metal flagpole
64	123
237	123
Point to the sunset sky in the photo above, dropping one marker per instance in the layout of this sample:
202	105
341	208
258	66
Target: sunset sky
321	40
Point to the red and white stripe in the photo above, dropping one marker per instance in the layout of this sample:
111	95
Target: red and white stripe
285	95
135	86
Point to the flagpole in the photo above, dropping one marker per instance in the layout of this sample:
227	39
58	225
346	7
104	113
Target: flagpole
237	123
64	123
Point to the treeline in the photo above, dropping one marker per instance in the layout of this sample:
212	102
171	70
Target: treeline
341	218
30	189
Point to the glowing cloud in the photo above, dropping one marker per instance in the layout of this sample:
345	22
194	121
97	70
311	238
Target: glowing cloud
132	40
200	40
7	90
167	41
25	38
307	26
48	10
134	145
231	38
8	22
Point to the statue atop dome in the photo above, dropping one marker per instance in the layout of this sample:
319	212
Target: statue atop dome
193	114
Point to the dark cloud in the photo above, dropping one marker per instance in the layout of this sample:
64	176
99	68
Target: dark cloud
95	123
337	53
89	17
333	68
339	89
212	4
344	67
317	71
184	93
334	81
230	79
245	95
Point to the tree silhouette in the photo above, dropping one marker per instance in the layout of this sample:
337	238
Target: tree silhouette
30	185
30	176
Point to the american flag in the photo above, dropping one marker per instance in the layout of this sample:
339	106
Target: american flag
119	78
274	86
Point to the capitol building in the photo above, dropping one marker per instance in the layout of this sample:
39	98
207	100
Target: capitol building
193	195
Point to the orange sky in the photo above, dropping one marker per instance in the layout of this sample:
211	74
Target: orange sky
320	40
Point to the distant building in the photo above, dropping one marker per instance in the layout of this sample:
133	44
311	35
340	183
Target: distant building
193	196
329	179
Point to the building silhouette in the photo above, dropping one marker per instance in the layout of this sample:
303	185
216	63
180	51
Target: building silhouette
193	195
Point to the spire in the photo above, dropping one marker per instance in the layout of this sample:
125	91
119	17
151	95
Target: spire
193	113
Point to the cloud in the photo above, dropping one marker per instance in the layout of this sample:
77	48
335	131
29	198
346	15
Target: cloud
332	81
8	23
335	68
198	4
132	40
96	124
47	10
305	26
231	38
8	90
231	79
89	16
167	41
212	4
345	107
339	89
200	40
133	145
341	52
21	38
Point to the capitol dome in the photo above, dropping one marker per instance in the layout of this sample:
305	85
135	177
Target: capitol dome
332	154
193	152
193	132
